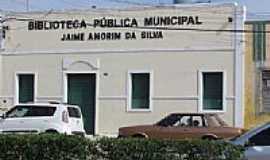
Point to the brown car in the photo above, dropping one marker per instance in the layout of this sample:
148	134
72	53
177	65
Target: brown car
184	125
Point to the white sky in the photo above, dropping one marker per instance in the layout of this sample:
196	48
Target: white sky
253	6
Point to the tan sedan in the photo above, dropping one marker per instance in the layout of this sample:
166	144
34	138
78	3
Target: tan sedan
182	126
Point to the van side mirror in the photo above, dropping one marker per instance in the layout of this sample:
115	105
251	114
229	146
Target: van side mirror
248	144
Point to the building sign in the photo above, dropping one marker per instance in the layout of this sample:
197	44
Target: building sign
155	21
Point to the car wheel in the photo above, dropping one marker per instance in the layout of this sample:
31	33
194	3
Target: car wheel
120	136
209	138
139	136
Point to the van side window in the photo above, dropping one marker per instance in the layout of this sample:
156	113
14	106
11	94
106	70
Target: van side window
74	112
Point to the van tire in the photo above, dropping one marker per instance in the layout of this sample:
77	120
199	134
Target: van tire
51	131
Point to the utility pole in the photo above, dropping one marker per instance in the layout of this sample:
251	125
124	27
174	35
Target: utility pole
27	5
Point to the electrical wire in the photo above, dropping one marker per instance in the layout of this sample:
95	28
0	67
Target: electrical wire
79	5
130	2
23	4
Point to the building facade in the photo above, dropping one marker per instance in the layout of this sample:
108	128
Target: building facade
129	66
257	74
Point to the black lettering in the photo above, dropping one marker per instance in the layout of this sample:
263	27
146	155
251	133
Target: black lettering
148	21
151	35
30	25
96	22
83	24
46	25
69	25
76	24
197	20
134	23
55	25
184	19
174	20
39	25
190	20
62	24
63	37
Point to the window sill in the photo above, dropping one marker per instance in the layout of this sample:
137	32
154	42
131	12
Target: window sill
139	110
212	111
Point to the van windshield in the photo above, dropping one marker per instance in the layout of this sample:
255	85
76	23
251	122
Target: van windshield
30	111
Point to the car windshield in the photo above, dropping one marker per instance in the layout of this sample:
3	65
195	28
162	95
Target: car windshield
252	130
30	111
74	112
169	120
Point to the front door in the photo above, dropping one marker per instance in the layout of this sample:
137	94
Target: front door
82	92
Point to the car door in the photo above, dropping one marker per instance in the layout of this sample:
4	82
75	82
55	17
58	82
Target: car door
191	126
258	146
38	118
14	120
180	129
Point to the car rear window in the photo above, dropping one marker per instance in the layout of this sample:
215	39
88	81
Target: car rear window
31	111
74	112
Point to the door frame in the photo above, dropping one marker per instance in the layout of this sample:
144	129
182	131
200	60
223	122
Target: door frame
65	92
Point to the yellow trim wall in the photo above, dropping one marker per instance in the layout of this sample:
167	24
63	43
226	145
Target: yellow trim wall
253	116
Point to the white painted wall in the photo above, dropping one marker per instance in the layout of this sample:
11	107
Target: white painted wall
174	60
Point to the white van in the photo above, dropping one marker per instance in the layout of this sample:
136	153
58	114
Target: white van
43	118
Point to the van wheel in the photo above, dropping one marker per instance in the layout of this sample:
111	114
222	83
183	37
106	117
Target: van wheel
51	131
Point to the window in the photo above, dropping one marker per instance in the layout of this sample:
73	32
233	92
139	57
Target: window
26	88
74	112
197	121
261	139
265	88
139	92
191	121
1	38
30	111
178	120
212	92
259	42
2	35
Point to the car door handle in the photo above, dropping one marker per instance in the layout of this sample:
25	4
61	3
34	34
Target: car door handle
21	121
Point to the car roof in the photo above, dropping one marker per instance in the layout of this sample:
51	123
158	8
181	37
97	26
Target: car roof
47	105
192	114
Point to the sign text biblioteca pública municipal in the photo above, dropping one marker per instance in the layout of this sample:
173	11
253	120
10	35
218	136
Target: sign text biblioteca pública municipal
37	25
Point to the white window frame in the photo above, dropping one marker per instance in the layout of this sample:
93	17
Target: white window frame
1	37
1	34
224	94
129	91
17	74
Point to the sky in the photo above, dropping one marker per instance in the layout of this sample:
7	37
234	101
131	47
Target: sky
255	8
